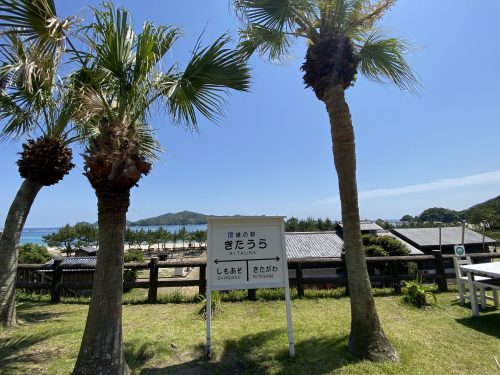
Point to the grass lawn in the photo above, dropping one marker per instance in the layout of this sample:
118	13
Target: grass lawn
250	337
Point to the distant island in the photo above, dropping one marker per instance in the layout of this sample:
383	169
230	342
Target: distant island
178	218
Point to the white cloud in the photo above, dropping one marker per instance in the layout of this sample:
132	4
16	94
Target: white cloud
477	179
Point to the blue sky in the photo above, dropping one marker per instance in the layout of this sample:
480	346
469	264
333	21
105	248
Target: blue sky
271	154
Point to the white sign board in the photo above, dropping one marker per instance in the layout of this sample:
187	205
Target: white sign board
459	250
247	252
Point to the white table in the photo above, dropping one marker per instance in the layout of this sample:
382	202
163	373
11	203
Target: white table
482	269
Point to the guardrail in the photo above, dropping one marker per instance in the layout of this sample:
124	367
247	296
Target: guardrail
394	276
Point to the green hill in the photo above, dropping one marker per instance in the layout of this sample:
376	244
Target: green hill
489	211
178	218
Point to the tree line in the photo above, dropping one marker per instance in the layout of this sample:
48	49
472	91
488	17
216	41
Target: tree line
161	237
72	237
310	224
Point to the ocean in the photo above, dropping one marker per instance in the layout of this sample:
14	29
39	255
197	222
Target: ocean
34	235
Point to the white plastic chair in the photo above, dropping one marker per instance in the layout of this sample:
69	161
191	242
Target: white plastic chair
463	283
494	285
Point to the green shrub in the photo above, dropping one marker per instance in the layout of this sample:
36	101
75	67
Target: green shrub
236	295
216	304
393	246
416	294
271	294
31	253
133	255
375	251
177	297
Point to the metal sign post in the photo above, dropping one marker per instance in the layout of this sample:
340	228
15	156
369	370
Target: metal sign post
247	252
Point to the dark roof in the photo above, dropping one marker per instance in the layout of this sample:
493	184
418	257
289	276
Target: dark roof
301	245
413	249
367	226
74	262
449	236
87	249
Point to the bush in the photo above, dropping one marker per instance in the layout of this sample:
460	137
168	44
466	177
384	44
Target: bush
133	255
31	253
391	246
375	251
216	304
416	294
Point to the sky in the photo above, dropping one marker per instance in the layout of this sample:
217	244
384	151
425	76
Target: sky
271	154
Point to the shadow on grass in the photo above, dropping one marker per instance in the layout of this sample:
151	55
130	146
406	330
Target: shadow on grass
10	357
137	356
44	300
36	317
321	355
488	324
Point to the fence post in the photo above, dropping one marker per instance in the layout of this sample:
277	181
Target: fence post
344	265
153	280
298	280
202	289
252	294
396	283
55	289
440	273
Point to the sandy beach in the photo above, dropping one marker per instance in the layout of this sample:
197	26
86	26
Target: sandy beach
55	251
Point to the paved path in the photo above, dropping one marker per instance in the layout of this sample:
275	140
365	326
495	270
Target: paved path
193	275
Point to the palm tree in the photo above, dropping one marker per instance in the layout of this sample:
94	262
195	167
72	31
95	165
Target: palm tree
119	84
342	40
36	104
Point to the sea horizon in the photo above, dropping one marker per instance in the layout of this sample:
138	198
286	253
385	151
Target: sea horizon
35	234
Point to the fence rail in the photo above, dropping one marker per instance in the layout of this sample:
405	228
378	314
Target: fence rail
392	265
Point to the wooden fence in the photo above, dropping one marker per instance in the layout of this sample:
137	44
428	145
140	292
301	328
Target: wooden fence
55	284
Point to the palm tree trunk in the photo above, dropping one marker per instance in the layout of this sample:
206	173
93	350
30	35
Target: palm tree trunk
367	339
101	351
14	224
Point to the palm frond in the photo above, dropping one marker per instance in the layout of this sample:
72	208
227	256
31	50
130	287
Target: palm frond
333	14
149	147
202	86
367	13
279	15
61	114
26	65
35	20
17	121
382	58
270	25
268	42
152	45
28	77
111	39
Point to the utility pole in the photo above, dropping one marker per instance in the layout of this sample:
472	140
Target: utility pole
463	232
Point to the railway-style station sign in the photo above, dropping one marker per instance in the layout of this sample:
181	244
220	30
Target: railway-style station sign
247	252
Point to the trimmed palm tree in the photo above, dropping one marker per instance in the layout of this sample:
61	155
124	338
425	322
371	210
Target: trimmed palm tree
33	103
342	40
125	75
